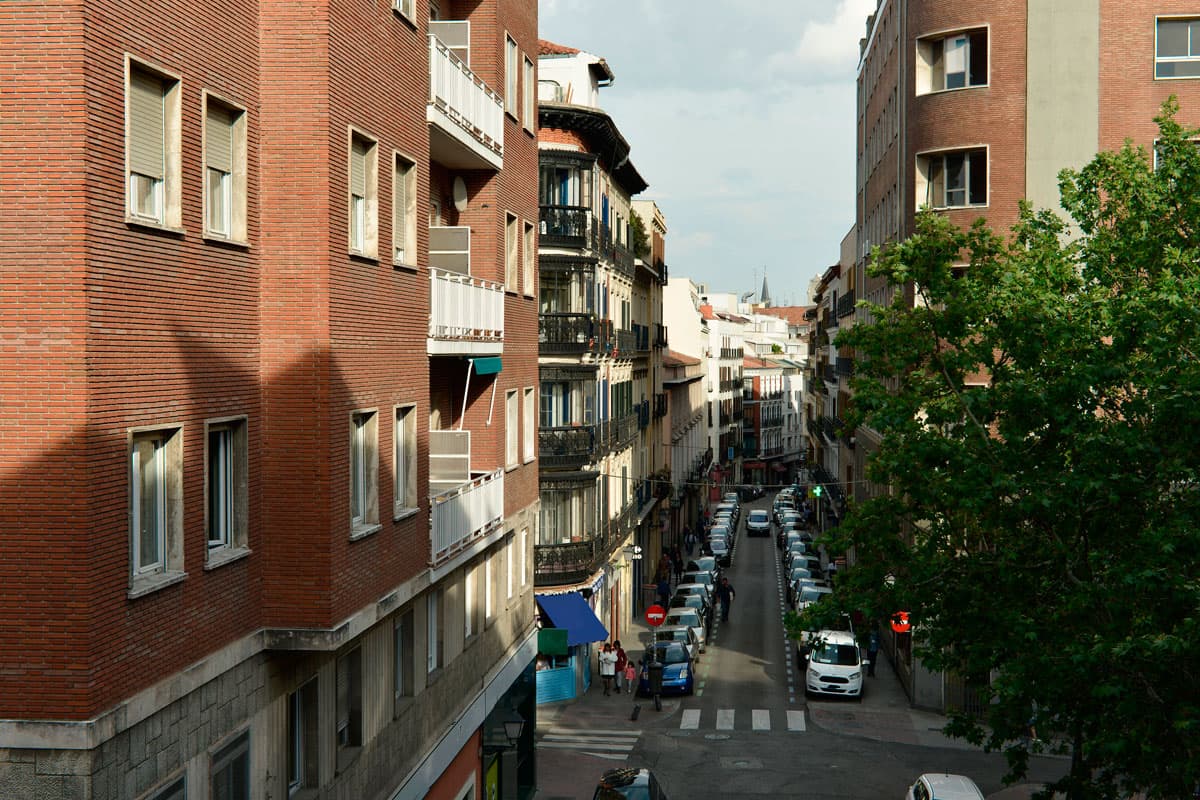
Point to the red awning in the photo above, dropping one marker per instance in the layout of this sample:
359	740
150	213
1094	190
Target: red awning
753	465
779	467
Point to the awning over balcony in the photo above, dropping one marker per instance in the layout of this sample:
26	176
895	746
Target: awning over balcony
572	612
487	366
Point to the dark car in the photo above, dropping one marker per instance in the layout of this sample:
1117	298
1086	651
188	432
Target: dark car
679	676
628	783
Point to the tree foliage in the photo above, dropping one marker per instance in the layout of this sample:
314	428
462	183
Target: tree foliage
1039	424
640	237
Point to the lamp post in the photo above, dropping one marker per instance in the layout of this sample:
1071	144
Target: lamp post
501	780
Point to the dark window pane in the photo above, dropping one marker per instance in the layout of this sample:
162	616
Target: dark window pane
978	176
1173	37
979	59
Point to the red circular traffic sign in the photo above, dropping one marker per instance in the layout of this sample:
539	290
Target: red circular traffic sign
655	615
900	623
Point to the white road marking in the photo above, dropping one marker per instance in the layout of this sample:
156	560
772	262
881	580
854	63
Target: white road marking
796	720
725	719
760	719
690	720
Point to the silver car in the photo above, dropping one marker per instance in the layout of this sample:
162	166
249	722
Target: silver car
679	633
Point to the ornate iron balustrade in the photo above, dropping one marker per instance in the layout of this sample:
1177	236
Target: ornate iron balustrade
571	562
626	340
643	414
660	335
660	404
624	429
564	226
845	304
828	374
569	333
845	366
567	447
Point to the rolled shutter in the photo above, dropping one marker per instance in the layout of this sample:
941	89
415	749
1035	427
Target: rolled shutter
218	138
358	168
147	109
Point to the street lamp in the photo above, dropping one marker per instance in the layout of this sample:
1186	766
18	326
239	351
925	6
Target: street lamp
514	727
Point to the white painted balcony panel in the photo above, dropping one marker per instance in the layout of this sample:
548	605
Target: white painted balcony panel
466	513
466	315
466	116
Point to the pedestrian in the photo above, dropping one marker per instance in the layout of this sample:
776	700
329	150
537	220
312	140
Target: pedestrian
664	592
622	662
688	541
872	650
725	594
631	677
608	667
677	563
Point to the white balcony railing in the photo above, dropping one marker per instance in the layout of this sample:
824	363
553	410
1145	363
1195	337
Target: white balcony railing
466	314
463	98
465	513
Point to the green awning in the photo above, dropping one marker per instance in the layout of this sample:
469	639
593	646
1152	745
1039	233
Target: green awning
552	641
487	366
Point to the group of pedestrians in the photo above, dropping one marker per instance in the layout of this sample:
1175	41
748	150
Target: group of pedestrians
616	669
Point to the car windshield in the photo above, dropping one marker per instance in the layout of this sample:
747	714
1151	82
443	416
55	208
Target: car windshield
758	516
697	577
717	545
689	618
811	594
668	653
841	655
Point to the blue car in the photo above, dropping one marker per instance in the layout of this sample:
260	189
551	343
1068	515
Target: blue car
679	677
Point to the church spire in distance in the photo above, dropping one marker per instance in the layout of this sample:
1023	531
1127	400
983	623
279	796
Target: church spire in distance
764	297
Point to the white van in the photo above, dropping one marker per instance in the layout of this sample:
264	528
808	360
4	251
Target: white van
835	666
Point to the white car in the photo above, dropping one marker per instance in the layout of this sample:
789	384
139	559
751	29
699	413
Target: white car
835	666
689	617
804	595
943	786
702	589
758	523
679	633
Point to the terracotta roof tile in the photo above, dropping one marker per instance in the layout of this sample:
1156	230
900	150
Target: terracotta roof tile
549	48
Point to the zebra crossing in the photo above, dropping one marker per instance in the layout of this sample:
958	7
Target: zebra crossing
615	745
726	719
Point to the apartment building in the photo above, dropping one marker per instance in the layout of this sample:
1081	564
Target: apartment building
269	297
969	107
599	342
762	421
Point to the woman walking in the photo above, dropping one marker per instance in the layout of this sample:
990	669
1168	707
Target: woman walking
622	660
608	667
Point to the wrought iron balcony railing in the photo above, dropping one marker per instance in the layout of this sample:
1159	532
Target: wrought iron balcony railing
567	447
565	226
570	333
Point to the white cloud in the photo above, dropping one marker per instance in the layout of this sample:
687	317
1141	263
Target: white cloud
828	45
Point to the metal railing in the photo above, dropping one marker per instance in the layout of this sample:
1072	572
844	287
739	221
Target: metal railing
566	446
660	335
465	513
570	333
465	308
464	98
564	226
845	304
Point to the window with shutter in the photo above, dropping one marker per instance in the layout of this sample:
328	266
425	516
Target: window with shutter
358	194
218	160
147	144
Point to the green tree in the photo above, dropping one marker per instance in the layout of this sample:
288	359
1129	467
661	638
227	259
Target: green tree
641	240
1040	419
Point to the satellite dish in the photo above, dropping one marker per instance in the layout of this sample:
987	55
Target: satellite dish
460	194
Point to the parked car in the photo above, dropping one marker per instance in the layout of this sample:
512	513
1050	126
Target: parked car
723	531
797	545
679	675
679	633
804	595
628	783
732	508
796	586
758	523
809	562
721	551
691	618
700	588
943	786
699	576
843	624
688	601
835	666
705	564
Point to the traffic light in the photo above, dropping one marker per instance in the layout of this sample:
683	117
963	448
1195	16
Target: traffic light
817	490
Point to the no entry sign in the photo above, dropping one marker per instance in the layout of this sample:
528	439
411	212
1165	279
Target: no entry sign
655	615
900	623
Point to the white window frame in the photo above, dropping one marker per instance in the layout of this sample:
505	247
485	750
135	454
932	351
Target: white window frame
303	752
1193	56
524	557
511	65
925	76
433	630
529	258
508	566
512	422
469	603
528	94
925	173
166	565
347	737
226	507
404	211
234	181
166	211
529	423
362	232
488	610
405	8
226	755
403	660
404	461
364	472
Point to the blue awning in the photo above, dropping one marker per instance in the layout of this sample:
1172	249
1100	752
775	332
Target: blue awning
572	612
487	366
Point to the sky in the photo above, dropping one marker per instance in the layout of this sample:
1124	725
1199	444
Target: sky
741	118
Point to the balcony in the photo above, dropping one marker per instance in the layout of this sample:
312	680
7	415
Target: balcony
566	447
828	374
660	335
626	342
845	304
845	367
623	430
466	315
616	254
466	118
642	410
466	505
564	226
571	562
660	404
570	333
641	336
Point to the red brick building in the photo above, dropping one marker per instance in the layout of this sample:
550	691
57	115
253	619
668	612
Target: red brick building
969	107
268	362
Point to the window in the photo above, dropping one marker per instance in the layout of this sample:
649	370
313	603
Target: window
510	252
228	503
524	557
405	467
508	567
349	725
224	170
303	735
152	146
156	503
364	183
529	259
175	790
528	109
404	212
487	587
1177	47
957	61
511	422
953	180
405	7
510	75
230	776
469	603
364	472
433	630
402	664
530	423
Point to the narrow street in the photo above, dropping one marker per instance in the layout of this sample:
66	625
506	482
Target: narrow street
748	730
